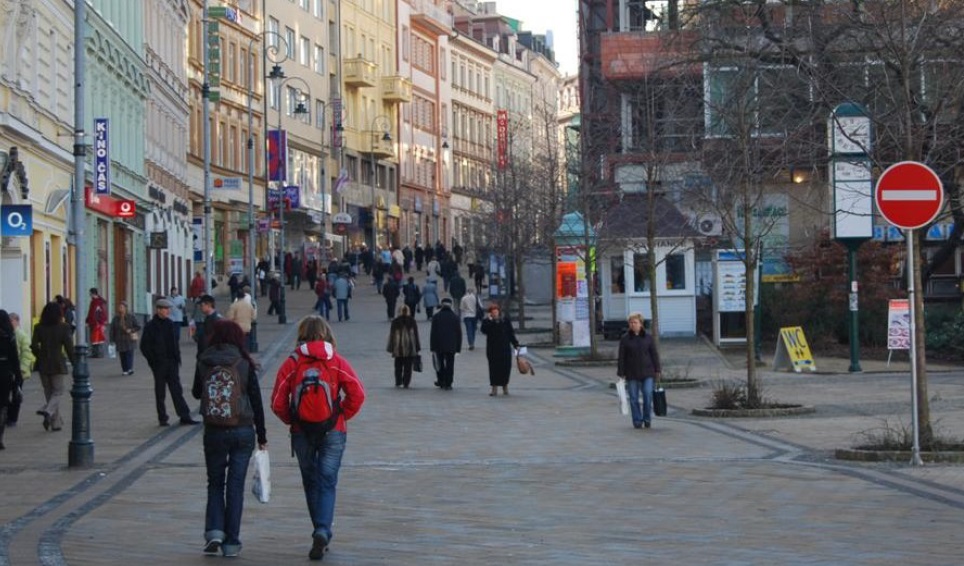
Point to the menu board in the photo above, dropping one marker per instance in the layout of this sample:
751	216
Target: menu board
898	324
731	287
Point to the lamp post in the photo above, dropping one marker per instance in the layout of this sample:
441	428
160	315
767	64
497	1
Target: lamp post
271	52
299	110
386	123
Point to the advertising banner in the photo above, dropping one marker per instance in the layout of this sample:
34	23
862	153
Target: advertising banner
102	156
277	155
502	129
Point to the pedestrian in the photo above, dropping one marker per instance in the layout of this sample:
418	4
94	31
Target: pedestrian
419	256
274	295
234	285
69	311
27	360
297	268
96	320
177	311
433	270
53	345
411	294
500	339
263	277
479	276
342	292
430	298
469	308
638	362
194	292
445	341
319	464
11	380
163	355
311	272
391	292
322	292
208	315
228	447
404	345
243	312
456	286
124	332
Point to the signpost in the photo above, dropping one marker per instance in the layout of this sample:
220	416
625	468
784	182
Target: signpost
909	195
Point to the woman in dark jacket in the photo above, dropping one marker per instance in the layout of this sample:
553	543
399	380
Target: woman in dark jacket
53	345
639	364
404	346
227	447
11	380
500	339
123	332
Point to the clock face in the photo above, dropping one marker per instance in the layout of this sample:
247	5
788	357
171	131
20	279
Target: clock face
851	134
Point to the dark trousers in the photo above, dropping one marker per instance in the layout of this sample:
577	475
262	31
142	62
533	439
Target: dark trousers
403	371
13	410
167	378
126	360
391	308
429	311
274	307
445	369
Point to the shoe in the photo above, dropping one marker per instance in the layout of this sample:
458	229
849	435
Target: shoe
12	423
189	421
471	347
163	423
231	550
46	421
212	547
637	425
647	425
55	429
319	544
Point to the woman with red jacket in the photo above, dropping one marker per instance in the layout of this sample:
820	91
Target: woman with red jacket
319	465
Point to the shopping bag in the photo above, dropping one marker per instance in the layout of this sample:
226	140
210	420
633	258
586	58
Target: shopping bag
623	396
417	363
659	402
261	482
522	363
112	350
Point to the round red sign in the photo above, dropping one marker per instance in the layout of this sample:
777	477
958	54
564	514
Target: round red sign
909	194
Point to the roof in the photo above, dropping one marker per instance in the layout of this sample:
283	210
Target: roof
628	219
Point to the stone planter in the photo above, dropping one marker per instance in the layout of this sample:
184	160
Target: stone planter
784	411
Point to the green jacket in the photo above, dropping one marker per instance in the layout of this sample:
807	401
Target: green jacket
27	358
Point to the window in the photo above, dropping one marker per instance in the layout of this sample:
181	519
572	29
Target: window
290	41
319	59
316	9
675	272
775	99
641	273
320	116
617	275
442	63
405	42
273	26
292	96
304	52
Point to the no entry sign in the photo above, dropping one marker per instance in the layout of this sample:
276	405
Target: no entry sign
909	194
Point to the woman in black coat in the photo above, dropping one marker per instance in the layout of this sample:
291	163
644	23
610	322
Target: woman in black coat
53	345
11	380
404	345
500	339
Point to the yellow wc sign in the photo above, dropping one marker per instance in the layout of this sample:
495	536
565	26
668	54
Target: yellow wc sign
793	351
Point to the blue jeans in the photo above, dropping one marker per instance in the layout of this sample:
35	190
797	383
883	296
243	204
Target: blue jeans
633	387
324	306
126	360
343	307
470	324
227	452
319	476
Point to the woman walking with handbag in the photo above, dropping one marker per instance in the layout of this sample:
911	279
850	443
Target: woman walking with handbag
500	339
53	344
124	331
639	364
404	346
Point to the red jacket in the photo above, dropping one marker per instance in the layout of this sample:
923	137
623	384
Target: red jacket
347	384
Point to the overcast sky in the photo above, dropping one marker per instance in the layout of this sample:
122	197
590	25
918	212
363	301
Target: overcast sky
559	16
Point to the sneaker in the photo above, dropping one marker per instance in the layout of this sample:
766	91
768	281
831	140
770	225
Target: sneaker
212	547
319	544
646	424
231	550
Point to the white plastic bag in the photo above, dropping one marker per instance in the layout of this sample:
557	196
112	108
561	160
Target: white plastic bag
623	396
261	482
112	350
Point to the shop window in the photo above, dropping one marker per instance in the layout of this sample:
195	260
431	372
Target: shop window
641	273
676	272
617	275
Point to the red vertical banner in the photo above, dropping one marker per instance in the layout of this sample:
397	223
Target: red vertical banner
277	155
502	129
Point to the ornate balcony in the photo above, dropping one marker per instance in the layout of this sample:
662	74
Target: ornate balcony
396	89
360	72
382	148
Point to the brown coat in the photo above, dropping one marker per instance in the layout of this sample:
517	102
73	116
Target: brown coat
53	346
120	332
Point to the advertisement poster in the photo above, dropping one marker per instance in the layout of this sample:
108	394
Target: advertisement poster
277	155
732	286
572	296
898	324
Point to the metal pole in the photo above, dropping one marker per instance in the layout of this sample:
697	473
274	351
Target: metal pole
854	306
205	117
374	213
253	336
80	451
282	317
911	268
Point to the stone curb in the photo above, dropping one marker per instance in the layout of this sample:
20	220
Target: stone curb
755	413
856	455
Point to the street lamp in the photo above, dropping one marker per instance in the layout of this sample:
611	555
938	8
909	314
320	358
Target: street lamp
386	124
299	110
272	53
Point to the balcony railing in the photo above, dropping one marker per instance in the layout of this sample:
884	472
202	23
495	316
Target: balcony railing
427	10
382	148
396	89
360	72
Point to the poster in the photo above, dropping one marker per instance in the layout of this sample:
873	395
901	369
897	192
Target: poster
898	324
732	286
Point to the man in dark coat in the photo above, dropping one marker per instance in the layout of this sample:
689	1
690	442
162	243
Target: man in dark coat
419	256
390	292
160	348
445	342
412	294
457	287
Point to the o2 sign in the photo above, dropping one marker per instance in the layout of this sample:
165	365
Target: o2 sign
16	220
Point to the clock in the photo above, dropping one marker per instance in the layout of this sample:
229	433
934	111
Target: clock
851	134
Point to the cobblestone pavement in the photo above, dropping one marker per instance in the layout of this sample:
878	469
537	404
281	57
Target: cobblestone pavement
551	474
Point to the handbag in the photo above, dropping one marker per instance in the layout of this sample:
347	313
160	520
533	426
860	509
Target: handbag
659	402
261	482
522	363
417	363
135	335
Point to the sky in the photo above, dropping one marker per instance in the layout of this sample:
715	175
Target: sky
538	16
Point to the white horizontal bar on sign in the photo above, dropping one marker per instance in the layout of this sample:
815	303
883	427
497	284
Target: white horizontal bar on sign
905	194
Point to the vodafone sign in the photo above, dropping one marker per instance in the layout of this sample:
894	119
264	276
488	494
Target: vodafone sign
110	206
909	194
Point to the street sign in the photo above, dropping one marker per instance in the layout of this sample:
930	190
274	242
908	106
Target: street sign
909	194
793	350
16	220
